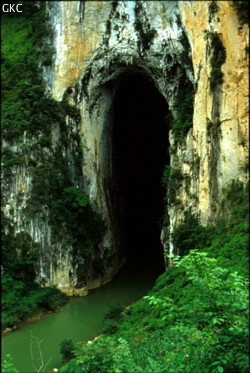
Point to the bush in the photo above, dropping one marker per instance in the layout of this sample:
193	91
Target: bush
67	349
114	312
189	234
7	365
112	318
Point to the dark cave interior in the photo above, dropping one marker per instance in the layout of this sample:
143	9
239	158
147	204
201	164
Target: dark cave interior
140	152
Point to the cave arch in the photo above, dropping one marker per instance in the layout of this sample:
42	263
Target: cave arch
136	153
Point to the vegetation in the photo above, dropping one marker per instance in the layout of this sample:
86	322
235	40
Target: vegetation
22	86
7	365
111	318
195	319
228	240
190	234
66	349
9	159
171	180
71	214
21	296
183	107
217	59
28	118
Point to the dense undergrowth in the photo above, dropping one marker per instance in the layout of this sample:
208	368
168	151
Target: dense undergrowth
195	319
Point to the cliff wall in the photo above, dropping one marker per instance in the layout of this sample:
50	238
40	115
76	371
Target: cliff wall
96	44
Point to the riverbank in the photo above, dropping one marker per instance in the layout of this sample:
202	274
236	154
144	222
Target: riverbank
27	304
41	314
29	321
81	319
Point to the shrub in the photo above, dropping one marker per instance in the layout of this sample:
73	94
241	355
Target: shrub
112	318
67	349
189	234
7	365
114	312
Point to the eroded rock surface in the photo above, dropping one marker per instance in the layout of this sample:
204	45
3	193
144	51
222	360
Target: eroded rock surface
97	44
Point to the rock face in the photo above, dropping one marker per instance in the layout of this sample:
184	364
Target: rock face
97	46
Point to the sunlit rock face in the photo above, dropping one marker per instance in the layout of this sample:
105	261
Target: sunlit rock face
102	47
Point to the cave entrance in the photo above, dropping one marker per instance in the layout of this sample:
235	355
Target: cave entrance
139	153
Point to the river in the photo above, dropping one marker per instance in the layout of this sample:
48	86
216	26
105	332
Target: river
81	319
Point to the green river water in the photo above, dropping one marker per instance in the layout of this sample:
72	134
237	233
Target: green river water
81	319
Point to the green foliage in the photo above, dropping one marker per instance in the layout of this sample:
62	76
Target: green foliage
234	199
242	9
112	317
114	312
7	365
27	108
74	207
228	240
217	59
18	255
71	214
21	297
24	106
189	234
171	180
9	159
196	317
110	355
67	349
20	303
182	112
199	324
75	197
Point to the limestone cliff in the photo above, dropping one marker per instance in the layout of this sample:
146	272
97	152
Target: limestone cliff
96	45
